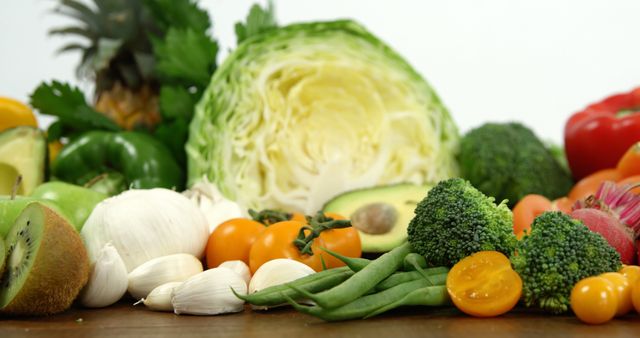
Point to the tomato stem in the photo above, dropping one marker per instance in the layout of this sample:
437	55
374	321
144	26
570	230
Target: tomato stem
268	216
317	225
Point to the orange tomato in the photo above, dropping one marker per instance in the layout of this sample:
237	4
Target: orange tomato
590	184
623	291
629	163
345	241
564	204
632	272
526	210
594	300
484	284
232	240
276	241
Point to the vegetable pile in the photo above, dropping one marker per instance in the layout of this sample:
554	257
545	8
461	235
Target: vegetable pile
197	189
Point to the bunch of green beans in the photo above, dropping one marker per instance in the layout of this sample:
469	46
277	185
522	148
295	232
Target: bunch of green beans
363	288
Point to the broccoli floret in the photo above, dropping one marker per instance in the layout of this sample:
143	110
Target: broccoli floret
508	161
557	253
455	220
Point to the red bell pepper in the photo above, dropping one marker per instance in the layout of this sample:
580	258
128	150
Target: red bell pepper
598	136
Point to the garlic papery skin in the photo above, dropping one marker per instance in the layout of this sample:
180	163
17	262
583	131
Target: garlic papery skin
239	267
276	272
214	206
108	280
209	293
144	224
159	299
162	270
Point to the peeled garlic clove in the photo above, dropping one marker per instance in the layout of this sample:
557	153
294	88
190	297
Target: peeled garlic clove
209	293
238	267
159	299
162	270
108	280
276	272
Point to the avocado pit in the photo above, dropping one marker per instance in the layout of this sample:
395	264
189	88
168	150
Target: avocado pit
375	218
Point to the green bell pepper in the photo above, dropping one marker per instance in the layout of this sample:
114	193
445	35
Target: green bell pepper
142	161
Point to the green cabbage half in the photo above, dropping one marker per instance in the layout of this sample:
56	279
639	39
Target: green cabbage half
299	114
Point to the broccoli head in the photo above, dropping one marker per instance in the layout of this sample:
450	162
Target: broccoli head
557	253
455	220
508	161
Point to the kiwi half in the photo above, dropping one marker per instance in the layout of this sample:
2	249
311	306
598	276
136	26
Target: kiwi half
47	264
3	255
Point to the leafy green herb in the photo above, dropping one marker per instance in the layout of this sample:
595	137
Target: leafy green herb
259	20
177	102
184	14
69	105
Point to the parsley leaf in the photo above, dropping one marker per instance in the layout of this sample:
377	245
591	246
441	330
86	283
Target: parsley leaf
259	20
185	56
177	102
69	105
184	14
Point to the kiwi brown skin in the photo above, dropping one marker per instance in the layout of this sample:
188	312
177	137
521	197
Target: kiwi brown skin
60	269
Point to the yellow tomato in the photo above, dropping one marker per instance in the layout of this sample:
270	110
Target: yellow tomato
484	284
623	291
594	300
632	272
14	113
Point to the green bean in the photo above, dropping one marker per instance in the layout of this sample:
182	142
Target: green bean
413	261
438	276
366	305
320	281
354	263
361	282
426	296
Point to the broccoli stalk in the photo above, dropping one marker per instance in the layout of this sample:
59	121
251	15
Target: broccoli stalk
508	161
456	220
557	253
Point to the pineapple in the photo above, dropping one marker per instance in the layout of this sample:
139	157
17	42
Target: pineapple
118	56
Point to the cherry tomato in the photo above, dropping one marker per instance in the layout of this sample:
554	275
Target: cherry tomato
632	272
623	291
484	284
594	300
345	241
276	241
590	184
635	295
232	240
629	163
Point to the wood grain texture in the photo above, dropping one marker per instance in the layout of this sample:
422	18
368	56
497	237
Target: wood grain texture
124	320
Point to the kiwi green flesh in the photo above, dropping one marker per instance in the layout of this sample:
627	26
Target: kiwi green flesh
22	243
3	255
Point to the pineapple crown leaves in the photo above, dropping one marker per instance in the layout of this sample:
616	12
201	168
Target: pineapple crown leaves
69	105
258	20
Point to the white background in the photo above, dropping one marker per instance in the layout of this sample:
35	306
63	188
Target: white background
494	60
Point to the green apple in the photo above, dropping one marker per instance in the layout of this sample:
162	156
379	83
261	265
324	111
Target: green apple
74	201
10	209
22	153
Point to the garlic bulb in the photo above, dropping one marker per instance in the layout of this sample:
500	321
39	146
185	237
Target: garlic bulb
145	224
159	299
276	272
108	280
209	293
215	207
238	267
162	270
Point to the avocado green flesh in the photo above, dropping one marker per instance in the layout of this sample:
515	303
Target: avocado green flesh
21	252
22	152
402	197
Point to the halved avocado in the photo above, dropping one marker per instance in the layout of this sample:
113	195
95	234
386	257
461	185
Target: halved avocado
23	151
381	214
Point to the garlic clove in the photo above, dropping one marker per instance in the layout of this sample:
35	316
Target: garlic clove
276	272
108	280
161	270
209	293
159	299
239	267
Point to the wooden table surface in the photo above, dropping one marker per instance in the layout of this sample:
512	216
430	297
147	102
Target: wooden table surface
124	320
